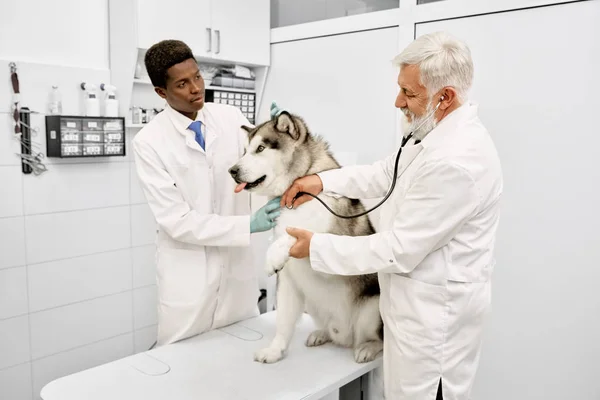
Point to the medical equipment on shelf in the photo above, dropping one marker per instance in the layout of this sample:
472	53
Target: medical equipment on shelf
391	189
91	103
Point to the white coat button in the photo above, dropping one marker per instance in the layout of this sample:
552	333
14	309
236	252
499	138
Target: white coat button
391	261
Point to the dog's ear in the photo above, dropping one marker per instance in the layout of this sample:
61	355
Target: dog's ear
285	123
247	129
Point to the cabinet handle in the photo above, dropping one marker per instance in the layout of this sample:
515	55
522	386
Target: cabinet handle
218	33
209	40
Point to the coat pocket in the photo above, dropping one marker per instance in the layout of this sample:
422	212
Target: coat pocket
418	310
182	276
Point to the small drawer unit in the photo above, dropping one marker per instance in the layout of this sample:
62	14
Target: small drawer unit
72	136
245	101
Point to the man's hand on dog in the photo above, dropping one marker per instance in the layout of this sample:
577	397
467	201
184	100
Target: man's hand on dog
300	249
310	184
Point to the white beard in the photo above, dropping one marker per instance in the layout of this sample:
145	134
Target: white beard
423	124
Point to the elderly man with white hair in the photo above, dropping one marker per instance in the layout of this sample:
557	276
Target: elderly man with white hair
434	249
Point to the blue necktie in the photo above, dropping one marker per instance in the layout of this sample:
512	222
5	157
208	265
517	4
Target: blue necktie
195	126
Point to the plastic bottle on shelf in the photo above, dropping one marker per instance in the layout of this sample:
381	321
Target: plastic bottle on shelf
55	104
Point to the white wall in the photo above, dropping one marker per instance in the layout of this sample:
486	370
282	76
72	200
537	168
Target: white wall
62	32
536	80
77	282
344	86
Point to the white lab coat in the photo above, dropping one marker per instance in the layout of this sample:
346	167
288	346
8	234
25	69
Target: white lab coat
205	274
433	252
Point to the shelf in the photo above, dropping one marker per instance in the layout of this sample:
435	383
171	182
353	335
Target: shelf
135	125
142	81
231	89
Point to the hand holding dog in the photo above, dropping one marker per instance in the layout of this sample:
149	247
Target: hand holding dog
300	249
310	184
266	217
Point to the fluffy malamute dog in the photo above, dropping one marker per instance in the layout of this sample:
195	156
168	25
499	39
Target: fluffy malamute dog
345	308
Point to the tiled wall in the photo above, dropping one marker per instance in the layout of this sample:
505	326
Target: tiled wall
77	274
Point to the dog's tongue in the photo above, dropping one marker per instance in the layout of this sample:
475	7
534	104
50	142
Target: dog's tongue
240	187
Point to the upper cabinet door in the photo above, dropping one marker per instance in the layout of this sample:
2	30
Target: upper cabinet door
241	31
186	20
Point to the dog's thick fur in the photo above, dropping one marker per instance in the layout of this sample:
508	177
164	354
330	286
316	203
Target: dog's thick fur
345	308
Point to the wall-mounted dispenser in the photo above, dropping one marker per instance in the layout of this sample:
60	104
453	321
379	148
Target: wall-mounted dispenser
91	103
111	104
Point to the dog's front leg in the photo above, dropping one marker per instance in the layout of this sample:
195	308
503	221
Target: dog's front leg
278	254
290	304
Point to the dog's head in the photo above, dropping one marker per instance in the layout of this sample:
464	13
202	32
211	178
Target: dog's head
275	155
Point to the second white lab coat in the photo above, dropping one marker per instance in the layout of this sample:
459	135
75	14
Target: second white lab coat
205	275
433	252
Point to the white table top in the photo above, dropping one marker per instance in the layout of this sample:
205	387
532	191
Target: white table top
218	365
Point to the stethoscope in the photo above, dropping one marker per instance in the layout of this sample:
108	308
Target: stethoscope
391	189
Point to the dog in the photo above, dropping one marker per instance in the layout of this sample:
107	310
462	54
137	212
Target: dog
344	308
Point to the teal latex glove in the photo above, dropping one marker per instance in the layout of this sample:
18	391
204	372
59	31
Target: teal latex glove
275	110
265	218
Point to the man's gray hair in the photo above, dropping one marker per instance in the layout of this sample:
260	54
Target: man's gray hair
443	61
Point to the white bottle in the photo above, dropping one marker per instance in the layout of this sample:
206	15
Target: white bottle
111	104
91	102
55	104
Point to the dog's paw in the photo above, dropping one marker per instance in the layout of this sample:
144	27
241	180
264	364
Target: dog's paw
317	338
367	351
268	355
273	266
277	256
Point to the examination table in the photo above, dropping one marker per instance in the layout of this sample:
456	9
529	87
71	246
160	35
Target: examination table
219	365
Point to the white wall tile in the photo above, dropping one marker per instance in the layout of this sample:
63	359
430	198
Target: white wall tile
144	338
68	327
71	234
143	225
11	201
8	145
136	193
144	307
144	266
50	368
13	292
77	187
15	383
14	341
12	245
62	282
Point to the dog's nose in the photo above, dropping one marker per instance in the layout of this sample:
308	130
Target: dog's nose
234	171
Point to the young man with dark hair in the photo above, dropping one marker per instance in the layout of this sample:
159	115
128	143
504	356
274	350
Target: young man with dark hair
205	275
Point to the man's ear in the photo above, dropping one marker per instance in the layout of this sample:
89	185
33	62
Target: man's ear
161	92
286	124
448	96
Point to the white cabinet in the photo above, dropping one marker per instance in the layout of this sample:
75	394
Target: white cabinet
241	30
236	31
184	20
